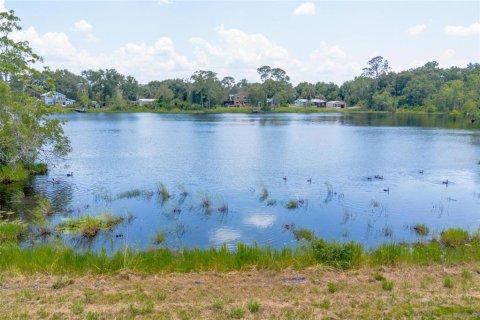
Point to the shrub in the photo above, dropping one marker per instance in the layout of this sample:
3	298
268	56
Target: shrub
339	255
453	237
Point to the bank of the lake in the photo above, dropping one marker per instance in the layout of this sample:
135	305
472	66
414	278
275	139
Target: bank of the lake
400	292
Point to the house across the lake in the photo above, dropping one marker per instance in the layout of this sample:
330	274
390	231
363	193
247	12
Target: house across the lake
319	103
237	100
336	104
52	98
143	102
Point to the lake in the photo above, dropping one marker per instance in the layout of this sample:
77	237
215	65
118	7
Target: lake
237	163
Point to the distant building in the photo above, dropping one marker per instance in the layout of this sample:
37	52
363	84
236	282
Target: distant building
336	104
52	98
301	103
143	102
319	103
237	100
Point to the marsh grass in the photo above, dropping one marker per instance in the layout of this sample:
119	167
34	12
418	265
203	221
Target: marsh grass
11	231
135	193
223	208
454	237
159	238
89	226
206	204
292	204
271	202
303	234
421	229
263	194
163	192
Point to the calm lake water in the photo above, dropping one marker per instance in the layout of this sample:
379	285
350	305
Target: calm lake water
230	158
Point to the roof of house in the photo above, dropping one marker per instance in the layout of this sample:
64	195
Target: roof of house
337	101
146	100
50	93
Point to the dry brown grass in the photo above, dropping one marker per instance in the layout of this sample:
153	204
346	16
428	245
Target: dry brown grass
418	293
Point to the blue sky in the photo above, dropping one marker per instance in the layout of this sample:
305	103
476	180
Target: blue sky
313	41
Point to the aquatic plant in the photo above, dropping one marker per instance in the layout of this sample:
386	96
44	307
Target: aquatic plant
135	193
303	234
159	238
271	202
223	208
375	203
263	194
292	204
421	229
387	231
206	203
162	191
89	226
43	207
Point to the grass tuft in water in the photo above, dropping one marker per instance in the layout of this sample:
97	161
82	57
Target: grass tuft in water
271	202
303	234
135	193
292	204
421	229
162	192
160	238
263	194
89	226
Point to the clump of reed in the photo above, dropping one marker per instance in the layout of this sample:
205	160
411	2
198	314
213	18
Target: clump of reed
223	208
206	203
292	204
163	192
271	202
303	234
387	232
89	226
159	238
263	194
454	237
11	231
135	193
375	203
421	229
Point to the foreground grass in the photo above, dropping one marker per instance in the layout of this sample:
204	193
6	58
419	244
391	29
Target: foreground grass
406	292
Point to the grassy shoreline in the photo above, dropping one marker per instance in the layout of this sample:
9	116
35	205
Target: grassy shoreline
454	247
279	110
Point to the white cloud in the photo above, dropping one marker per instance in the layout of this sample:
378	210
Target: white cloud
86	28
472	29
224	235
2	6
305	9
145	61
416	30
82	26
164	2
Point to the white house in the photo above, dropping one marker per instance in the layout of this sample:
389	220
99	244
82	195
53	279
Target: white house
301	102
319	103
52	98
143	102
336	104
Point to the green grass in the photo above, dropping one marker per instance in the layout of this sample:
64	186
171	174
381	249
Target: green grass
20	172
387	285
332	287
159	238
89	226
454	237
236	313
448	282
58	259
253	306
11	231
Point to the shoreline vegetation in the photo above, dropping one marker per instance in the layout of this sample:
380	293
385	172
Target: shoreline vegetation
452	247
